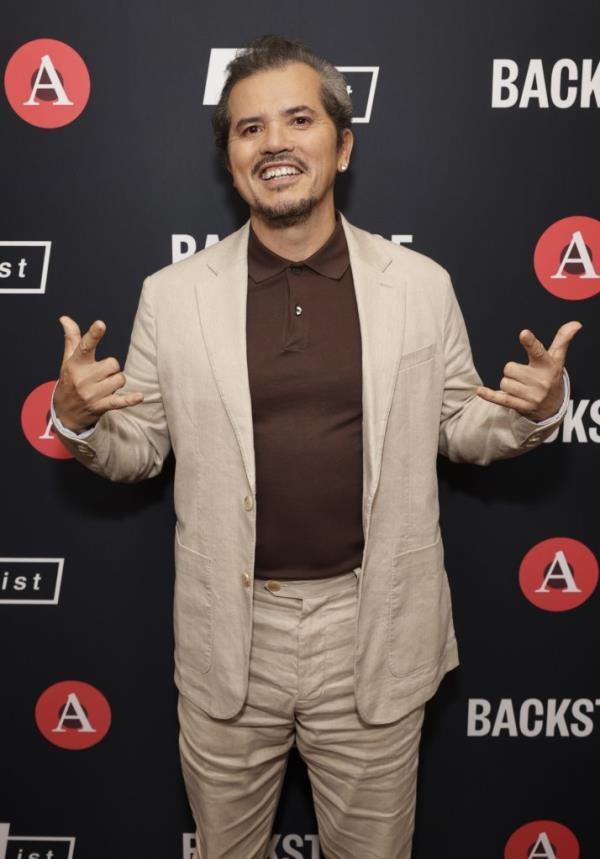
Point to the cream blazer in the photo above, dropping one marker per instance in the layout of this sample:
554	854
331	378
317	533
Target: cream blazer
188	356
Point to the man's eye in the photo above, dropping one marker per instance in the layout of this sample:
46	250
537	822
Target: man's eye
302	120
250	129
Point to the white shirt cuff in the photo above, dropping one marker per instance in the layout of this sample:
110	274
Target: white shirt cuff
63	430
562	411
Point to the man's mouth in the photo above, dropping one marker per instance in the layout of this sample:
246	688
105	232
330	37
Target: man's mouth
270	173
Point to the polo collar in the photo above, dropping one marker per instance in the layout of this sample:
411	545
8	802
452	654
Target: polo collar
331	260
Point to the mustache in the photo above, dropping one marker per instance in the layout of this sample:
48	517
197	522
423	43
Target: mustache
287	159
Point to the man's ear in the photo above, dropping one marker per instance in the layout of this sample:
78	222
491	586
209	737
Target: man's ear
347	143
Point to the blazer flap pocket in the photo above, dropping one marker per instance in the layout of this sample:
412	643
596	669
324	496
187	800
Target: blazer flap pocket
418	612
193	610
181	549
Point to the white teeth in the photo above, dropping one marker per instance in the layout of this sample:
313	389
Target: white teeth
274	172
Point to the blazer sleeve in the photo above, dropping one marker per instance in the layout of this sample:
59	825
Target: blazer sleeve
131	444
472	429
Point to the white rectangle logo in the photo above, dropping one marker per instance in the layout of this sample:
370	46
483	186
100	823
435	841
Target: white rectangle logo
30	581
19	269
24	846
361	80
361	89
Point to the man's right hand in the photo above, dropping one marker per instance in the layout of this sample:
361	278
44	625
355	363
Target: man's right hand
86	387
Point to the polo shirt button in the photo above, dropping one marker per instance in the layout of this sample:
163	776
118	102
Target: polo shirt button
298	310
248	503
296	269
246	581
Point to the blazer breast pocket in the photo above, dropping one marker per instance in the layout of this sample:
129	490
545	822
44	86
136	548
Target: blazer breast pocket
193	608
419	356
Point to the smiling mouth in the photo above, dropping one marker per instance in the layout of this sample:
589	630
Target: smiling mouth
273	173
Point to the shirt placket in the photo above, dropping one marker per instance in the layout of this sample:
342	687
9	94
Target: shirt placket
297	319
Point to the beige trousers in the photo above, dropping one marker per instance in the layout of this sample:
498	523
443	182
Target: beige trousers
363	777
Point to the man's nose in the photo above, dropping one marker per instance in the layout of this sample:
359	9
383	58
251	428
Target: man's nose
277	137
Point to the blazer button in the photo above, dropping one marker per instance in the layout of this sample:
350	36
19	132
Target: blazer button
246	581
248	503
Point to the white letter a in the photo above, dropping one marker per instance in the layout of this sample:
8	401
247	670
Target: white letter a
583	258
54	84
564	574
543	843
74	710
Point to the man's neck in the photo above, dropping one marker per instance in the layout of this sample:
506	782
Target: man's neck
300	241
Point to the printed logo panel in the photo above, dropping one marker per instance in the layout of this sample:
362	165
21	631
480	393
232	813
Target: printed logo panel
47	83
567	258
542	839
24	267
558	574
361	81
73	715
35	846
581	423
567	83
184	245
37	423
534	717
30	581
290	846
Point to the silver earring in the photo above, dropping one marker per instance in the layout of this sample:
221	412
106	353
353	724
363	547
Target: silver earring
343	167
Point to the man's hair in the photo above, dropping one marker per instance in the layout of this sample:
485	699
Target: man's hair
276	52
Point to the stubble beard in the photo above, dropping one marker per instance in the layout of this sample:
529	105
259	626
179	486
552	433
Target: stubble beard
286	214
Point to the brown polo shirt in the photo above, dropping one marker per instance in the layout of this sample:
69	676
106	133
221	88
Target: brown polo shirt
305	373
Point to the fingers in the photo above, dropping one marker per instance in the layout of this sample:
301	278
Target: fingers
515	388
86	350
534	347
72	335
503	398
557	351
107	385
119	401
103	369
562	340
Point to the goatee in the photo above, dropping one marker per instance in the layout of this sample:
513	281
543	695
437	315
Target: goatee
286	214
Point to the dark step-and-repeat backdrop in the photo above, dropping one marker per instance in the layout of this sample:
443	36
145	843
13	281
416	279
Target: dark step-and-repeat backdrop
477	141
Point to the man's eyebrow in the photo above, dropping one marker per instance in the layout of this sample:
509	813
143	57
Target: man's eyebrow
246	120
288	111
300	108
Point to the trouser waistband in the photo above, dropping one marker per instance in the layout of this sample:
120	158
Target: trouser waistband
308	588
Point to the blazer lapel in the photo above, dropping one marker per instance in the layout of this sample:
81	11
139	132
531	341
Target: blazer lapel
381	310
221	297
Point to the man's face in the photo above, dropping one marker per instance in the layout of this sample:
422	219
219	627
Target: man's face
282	149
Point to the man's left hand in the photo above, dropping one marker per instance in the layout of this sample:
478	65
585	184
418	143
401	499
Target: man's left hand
535	390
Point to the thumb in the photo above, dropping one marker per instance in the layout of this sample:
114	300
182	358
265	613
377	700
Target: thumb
72	335
563	338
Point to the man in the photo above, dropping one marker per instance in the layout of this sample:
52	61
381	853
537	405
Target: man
306	374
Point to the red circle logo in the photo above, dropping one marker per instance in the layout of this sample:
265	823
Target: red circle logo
542	839
37	424
558	574
567	258
73	715
47	83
